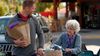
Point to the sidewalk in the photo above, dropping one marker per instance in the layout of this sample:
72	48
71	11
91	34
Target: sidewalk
90	34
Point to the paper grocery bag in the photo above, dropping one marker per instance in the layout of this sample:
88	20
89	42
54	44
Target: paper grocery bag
20	31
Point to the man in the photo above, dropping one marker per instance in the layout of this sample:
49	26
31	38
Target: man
26	16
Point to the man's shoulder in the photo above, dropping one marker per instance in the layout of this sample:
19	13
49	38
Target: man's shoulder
33	17
14	17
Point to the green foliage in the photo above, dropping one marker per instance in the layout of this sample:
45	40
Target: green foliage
3	9
16	10
8	7
42	6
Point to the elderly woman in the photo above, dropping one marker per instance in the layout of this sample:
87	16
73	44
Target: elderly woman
70	40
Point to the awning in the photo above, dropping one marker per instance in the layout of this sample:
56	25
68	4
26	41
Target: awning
46	14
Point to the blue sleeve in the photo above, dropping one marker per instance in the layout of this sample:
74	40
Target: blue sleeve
78	43
59	40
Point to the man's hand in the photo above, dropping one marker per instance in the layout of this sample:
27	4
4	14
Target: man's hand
20	43
40	52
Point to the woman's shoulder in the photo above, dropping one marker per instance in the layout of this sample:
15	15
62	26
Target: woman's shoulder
78	36
63	33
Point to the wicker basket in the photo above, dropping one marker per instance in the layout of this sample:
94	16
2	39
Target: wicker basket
53	53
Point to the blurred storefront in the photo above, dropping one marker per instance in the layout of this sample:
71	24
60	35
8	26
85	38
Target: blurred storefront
87	12
91	14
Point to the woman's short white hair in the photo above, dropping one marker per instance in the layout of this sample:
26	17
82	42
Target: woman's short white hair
74	24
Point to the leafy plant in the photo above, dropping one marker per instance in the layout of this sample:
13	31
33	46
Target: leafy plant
40	6
3	9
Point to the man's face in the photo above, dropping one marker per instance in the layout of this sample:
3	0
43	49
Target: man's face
30	10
